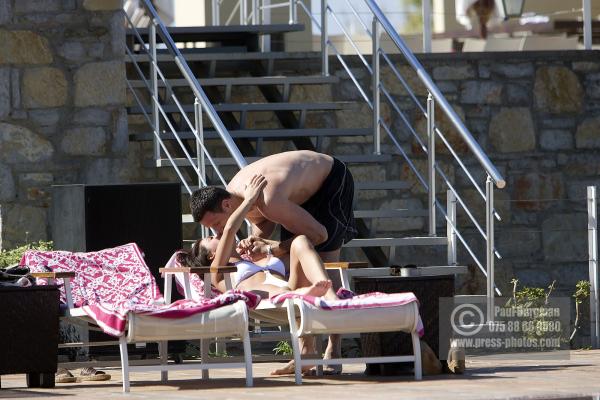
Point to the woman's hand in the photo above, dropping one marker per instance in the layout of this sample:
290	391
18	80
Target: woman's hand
254	248
254	188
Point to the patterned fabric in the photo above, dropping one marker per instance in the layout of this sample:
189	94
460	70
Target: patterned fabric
110	283
351	301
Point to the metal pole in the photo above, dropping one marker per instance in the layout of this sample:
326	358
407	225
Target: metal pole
255	12
324	39
431	162
154	78
593	265
243	12
489	231
450	225
215	13
293	12
587	24
426	26
376	102
200	157
266	19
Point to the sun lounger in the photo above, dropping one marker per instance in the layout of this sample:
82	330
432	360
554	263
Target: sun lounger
115	290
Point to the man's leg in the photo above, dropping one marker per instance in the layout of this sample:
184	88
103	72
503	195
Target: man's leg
334	344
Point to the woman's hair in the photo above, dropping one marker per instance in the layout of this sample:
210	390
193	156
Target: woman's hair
198	256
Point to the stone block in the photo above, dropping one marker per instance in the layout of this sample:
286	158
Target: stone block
581	164
37	6
557	90
512	71
447	128
5	92
18	144
556	139
84	141
577	190
565	237
7	183
559	123
15	83
24	47
592	89
408	175
310	93
117	35
45	117
72	51
512	130
92	116
102	5
519	243
21	224
98	84
454	72
518	95
585	66
120	134
533	190
5	11
481	92
476	205
394	86
36	186
362	116
44	87
588	134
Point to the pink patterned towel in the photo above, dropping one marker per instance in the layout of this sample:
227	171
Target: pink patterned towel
351	301
112	282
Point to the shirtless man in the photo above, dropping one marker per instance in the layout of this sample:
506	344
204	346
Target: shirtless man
307	193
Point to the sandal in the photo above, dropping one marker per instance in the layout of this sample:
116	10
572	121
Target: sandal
63	375
92	374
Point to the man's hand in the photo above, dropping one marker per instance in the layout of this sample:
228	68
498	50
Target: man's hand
253	248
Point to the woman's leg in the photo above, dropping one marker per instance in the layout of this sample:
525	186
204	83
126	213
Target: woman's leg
306	267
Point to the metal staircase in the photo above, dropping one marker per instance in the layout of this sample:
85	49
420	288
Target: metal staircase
204	111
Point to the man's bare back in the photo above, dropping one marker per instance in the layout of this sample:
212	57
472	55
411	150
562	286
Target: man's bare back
293	175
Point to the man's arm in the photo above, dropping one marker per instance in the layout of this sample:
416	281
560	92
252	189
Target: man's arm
263	229
293	218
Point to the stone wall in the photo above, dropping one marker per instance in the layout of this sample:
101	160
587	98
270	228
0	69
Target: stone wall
62	106
537	115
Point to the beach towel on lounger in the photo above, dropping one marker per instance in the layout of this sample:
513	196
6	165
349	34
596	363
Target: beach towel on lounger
112	282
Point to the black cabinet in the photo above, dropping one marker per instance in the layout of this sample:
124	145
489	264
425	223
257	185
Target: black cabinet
29	321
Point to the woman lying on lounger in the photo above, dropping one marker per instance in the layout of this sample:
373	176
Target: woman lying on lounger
267	276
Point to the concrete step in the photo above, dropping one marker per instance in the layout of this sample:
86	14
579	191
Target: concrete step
227	161
229	56
393	242
267	134
246	81
252	107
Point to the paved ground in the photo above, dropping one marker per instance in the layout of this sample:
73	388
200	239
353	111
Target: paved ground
575	378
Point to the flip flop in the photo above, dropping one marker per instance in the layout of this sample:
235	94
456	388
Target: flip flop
92	374
63	375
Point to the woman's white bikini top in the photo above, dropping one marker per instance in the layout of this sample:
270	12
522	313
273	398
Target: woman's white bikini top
245	269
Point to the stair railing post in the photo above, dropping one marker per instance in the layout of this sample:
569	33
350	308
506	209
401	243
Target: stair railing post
587	24
255	12
215	13
489	227
324	39
431	162
243	12
154	82
426	26
593	265
293	12
200	157
376	102
450	226
266	19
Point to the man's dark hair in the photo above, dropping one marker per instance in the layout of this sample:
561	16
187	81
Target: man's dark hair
205	199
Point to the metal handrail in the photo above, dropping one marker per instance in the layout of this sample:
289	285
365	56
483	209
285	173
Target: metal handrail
483	159
195	86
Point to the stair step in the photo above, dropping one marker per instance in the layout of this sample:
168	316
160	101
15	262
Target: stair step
397	213
434	270
228	161
405	241
276	134
394	213
233	56
253	107
219	33
247	80
382	185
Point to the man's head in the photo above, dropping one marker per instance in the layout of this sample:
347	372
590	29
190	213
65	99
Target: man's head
211	206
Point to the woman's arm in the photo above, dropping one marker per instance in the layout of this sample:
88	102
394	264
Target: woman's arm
227	242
